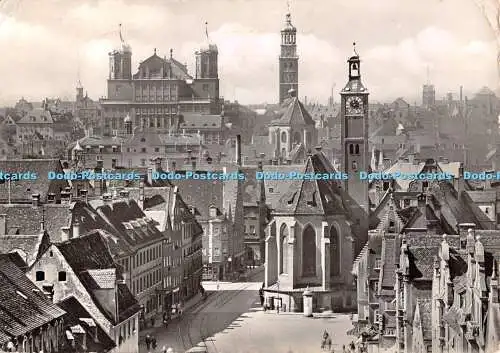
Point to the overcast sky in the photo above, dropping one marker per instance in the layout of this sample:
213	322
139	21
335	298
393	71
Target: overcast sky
47	44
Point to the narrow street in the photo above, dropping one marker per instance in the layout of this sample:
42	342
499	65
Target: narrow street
217	314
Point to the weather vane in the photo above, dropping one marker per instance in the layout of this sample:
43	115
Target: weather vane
288	5
206	28
354	47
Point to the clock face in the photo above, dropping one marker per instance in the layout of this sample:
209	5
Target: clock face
354	105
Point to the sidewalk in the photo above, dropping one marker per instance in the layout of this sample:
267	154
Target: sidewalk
191	304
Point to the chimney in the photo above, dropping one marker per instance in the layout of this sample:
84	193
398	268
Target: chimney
150	176
35	200
411	158
85	195
421	199
471	240
238	150
76	229
3	224
461	95
64	233
463	231
158	163
51	197
65	197
107	198
460	181
141	194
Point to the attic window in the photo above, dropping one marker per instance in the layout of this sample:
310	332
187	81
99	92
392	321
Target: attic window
312	202
205	124
213	124
61	276
271	190
192	124
40	276
143	139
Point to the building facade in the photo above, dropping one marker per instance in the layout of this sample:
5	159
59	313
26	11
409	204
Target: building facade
160	90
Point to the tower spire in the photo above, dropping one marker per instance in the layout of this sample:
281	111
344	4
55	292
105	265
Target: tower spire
206	30
428	76
288	7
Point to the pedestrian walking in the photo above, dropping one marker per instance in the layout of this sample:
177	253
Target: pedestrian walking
148	341
164	349
165	319
153	342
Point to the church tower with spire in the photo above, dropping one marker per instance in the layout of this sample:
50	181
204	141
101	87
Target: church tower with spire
288	60
354	138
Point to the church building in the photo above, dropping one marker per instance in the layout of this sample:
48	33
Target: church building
318	227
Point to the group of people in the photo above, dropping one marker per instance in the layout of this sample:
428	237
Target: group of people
151	345
326	344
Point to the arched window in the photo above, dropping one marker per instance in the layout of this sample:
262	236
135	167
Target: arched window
283	249
334	252
351	149
283	137
356	149
309	252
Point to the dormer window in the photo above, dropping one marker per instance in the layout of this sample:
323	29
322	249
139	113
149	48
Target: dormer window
143	139
213	211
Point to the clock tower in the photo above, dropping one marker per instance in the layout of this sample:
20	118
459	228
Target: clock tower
354	140
288	61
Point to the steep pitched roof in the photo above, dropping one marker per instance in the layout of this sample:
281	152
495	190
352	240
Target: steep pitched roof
90	252
313	196
22	190
28	247
421	262
293	113
127	222
154	64
202	194
26	219
78	317
23	308
37	116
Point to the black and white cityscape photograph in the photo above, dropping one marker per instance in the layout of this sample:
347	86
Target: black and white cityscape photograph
250	176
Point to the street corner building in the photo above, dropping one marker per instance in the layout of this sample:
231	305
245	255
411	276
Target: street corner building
92	288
